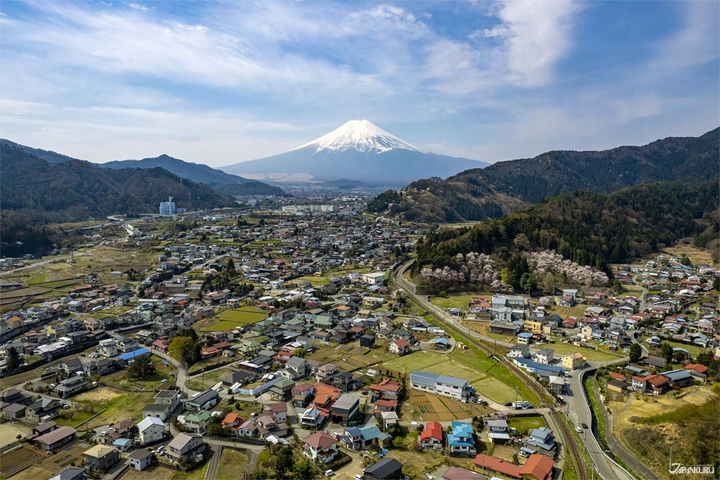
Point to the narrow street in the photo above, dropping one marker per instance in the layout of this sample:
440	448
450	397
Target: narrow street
577	408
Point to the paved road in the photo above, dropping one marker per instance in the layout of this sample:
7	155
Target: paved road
436	311
577	406
578	411
181	372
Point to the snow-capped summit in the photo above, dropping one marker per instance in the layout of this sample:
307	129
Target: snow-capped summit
358	150
361	135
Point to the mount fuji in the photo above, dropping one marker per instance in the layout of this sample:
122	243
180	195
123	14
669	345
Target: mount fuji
358	150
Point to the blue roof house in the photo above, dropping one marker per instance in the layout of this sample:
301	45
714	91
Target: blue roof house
461	441
122	444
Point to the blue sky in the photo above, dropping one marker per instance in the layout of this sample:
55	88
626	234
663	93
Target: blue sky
222	82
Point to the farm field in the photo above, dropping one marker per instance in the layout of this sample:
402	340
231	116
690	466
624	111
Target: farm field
428	407
9	433
578	311
415	463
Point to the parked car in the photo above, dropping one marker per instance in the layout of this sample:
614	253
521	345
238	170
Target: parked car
584	425
329	472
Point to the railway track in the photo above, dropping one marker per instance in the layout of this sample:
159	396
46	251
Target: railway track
575	453
569	439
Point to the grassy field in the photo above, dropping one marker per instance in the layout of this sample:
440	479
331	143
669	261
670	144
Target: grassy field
156	472
495	390
315	280
460	301
118	406
590	354
122	380
416	361
642	406
198	473
209	379
524	425
650	426
696	255
482	329
230	319
578	311
233	465
693	349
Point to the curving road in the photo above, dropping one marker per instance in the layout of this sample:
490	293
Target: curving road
577	408
181	372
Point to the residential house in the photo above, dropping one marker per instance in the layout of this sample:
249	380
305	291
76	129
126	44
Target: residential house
573	361
461	441
320	447
198	422
399	347
140	459
440	384
345	408
498	430
55	439
295	368
70	473
203	400
386	469
362	438
544	355
186	449
101	457
151	430
278	411
432	436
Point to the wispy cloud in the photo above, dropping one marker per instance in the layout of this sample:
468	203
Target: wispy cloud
137	6
230	81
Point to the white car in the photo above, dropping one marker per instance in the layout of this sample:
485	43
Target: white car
329	473
358	476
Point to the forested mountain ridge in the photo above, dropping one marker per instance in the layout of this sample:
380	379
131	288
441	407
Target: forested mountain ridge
77	189
585	227
223	182
498	189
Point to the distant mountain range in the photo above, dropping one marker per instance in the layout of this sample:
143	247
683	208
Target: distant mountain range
75	189
481	194
221	181
358	150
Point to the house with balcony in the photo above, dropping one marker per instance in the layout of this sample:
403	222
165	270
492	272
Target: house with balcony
320	447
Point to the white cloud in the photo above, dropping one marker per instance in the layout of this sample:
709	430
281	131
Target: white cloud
215	138
137	6
695	43
536	35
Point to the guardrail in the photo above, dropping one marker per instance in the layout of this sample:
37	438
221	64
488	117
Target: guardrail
594	420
